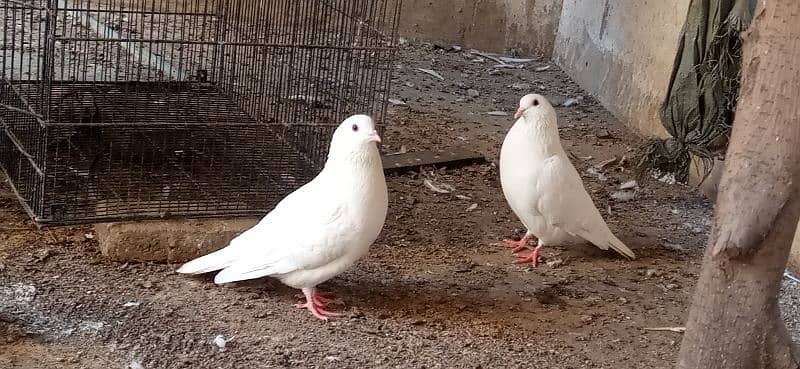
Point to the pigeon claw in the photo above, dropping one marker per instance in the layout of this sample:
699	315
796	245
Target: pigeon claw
533	257
318	311
316	302
517	246
323	301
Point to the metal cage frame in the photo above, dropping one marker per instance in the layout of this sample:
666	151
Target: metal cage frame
118	110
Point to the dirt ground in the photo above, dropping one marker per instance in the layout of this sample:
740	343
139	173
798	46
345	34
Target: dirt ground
433	292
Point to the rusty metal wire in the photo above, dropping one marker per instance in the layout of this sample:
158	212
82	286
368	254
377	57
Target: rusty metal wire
138	109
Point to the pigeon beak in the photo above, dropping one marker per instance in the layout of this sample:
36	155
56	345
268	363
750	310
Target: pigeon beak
373	137
519	113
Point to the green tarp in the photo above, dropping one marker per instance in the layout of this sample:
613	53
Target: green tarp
701	101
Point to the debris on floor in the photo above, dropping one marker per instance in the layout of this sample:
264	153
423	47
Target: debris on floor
432	285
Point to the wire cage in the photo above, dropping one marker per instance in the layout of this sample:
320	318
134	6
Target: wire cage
141	109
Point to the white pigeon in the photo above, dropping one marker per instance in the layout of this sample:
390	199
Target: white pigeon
543	188
317	231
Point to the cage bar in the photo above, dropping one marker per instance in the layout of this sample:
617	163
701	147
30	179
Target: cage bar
135	109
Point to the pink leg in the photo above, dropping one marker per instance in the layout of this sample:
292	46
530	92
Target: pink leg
517	246
321	298
316	303
532	257
318	311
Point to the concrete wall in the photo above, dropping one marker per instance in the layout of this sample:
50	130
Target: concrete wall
525	26
619	51
622	52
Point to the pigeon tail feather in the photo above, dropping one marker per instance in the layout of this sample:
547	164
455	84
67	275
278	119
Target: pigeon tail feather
234	274
615	244
208	263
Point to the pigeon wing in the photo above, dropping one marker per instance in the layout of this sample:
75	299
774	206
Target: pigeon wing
566	204
304	237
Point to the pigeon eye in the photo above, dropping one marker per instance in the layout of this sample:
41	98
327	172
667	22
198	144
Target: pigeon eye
355	128
536	102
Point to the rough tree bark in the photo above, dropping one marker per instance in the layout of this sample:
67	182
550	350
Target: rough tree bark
734	321
794	255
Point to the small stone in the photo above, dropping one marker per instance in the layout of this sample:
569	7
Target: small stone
570	102
397	102
623	196
356	313
650	273
473	93
593	300
603	134
555	263
675	247
465	267
43	255
671	286
147	284
262	314
521	86
586	318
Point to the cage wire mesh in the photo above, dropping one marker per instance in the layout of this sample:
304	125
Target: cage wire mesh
140	109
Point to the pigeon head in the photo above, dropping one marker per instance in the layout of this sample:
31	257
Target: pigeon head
534	106
356	134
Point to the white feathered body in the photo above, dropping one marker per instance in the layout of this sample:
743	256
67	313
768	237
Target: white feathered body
520	169
546	192
312	235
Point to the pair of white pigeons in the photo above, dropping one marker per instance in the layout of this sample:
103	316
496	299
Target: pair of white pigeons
325	226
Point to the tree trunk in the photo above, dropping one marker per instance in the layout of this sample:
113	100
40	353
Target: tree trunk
734	321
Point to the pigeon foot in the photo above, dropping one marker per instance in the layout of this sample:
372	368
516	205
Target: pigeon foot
532	257
321	298
316	302
517	246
